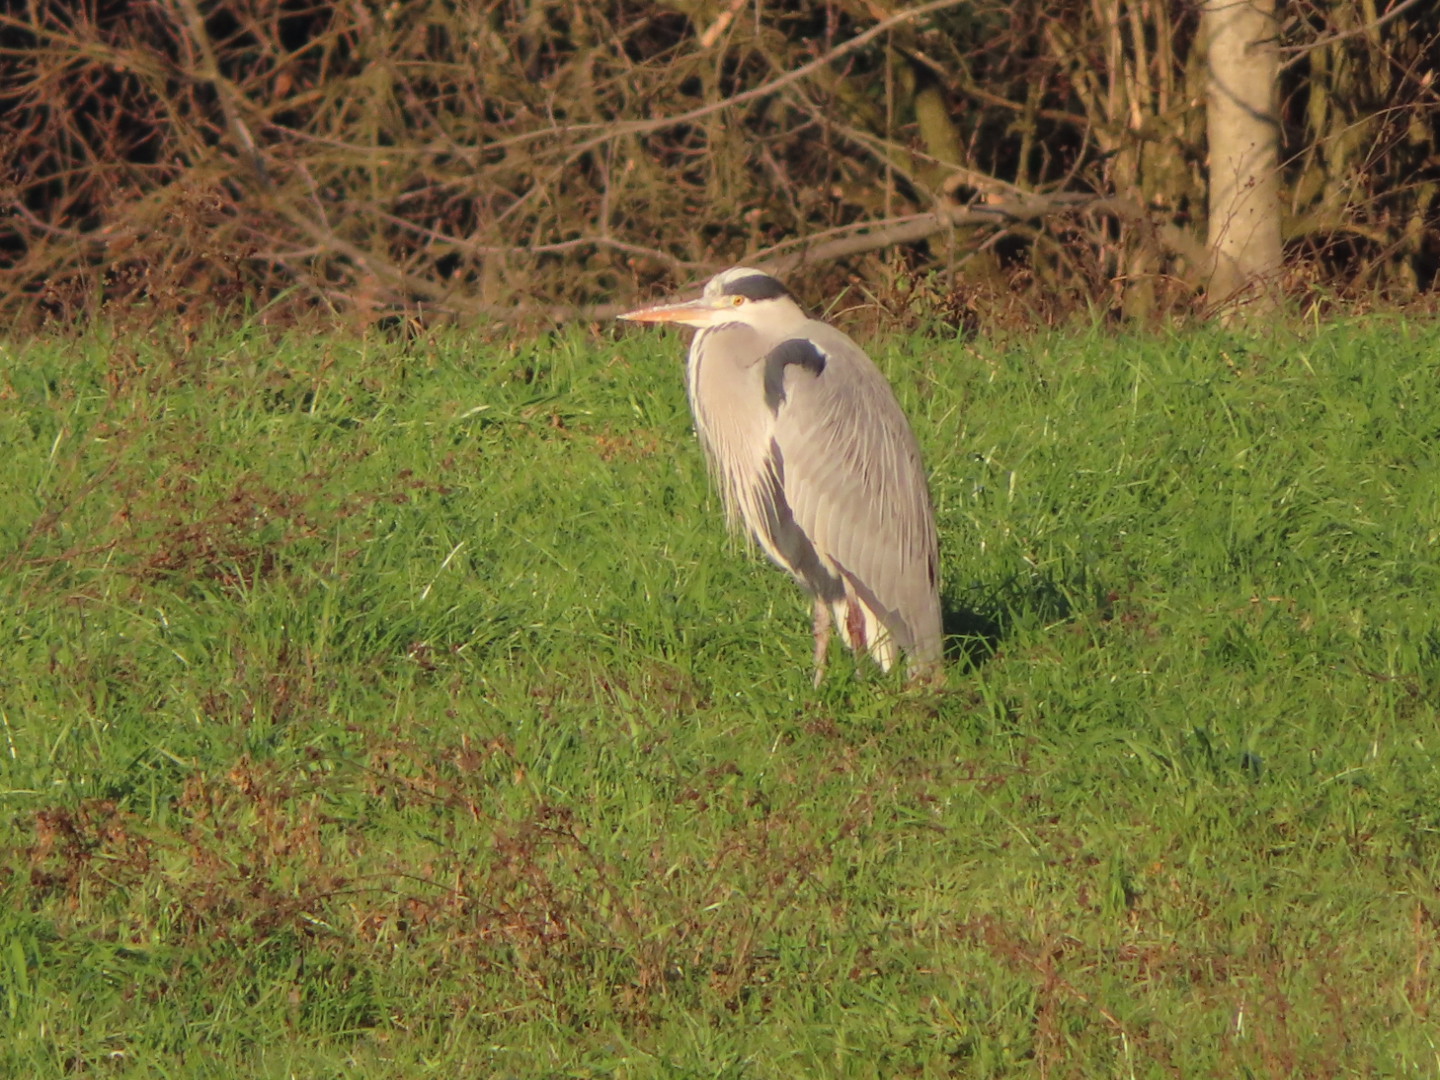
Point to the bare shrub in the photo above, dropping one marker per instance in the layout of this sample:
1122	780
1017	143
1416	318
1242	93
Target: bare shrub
537	156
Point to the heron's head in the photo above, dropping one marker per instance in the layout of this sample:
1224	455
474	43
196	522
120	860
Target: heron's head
738	295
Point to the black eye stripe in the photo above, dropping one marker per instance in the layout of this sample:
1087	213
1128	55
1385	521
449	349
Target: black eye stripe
755	287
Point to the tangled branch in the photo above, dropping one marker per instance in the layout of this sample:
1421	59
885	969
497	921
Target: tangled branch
498	162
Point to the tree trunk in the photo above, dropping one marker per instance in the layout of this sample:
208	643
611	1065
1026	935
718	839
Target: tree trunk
1242	122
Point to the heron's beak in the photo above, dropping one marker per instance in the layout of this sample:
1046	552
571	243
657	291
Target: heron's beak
690	312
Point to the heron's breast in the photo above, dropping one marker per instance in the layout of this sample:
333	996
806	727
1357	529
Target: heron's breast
727	396
727	389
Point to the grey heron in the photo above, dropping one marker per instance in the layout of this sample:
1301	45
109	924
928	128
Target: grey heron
812	453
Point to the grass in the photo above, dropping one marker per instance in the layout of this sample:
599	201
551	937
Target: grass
376	710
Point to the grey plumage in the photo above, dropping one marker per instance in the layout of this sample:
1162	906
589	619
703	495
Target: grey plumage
813	454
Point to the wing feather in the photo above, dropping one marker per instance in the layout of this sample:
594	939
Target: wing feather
855	486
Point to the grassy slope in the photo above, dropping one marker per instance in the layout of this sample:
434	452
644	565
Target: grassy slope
372	711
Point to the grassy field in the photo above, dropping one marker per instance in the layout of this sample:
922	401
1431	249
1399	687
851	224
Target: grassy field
376	710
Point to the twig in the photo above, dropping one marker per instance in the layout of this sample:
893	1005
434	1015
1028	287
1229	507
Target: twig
720	25
470	247
1300	51
224	90
884	150
659	123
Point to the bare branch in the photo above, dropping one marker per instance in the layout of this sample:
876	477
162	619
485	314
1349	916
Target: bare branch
872	236
394	156
224	90
1300	51
659	123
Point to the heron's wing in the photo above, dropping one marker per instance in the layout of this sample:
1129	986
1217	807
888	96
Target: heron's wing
848	473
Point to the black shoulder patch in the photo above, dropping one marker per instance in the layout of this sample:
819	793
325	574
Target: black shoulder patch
801	352
755	287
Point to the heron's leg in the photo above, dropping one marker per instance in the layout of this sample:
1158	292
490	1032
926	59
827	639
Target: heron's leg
822	637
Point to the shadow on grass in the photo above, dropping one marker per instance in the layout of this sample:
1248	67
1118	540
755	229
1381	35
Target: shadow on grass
975	627
971	637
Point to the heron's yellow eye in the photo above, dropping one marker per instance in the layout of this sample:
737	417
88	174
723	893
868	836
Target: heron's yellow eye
737	301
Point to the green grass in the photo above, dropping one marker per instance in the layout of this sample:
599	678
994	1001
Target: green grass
399	711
